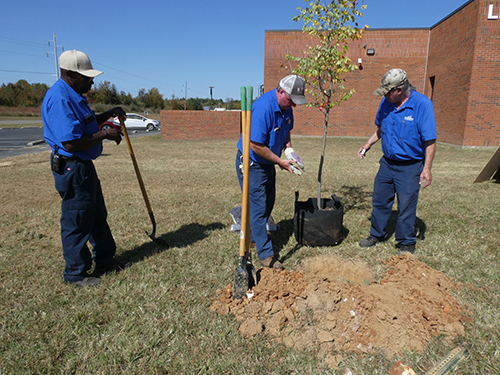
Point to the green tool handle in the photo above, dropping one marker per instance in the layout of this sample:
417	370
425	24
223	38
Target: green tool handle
245	199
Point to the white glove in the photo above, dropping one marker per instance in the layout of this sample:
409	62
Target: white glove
291	155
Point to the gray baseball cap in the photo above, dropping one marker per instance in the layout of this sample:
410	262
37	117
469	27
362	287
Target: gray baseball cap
392	79
295	87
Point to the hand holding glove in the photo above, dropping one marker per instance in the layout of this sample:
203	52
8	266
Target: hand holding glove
298	165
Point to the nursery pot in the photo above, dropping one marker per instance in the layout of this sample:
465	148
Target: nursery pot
315	227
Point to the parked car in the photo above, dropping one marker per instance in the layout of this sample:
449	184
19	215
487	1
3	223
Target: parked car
110	125
135	121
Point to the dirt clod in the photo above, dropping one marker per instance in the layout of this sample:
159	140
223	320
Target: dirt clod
330	305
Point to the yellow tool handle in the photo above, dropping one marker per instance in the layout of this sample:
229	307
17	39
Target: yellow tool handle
245	200
136	167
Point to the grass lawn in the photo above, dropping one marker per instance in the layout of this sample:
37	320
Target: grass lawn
20	121
154	318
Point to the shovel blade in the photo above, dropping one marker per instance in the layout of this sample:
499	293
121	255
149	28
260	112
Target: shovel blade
241	282
160	241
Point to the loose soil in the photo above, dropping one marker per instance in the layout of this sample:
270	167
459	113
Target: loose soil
328	305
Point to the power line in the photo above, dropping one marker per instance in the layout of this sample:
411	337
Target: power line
20	53
20	42
23	71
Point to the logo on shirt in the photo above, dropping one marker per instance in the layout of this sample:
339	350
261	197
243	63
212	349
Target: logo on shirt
409	118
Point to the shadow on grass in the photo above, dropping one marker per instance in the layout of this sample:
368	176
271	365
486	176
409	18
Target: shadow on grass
186	235
354	198
281	237
420	226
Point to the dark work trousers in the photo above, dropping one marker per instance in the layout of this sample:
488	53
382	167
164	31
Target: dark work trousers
83	219
401	179
262	192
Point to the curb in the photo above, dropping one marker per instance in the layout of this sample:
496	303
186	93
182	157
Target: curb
36	142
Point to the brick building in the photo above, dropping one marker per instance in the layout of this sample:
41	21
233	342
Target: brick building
456	63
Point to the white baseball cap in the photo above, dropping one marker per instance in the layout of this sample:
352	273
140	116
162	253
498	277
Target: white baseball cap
79	62
295	87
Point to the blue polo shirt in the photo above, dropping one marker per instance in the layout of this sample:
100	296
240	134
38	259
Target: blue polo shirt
67	116
404	131
270	126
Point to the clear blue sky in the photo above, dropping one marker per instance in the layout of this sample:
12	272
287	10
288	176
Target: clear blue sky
166	43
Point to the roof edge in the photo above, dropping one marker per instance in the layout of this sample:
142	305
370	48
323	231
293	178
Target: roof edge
452	13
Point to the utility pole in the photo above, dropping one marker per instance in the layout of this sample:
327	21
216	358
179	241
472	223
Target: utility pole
211	87
55	54
185	95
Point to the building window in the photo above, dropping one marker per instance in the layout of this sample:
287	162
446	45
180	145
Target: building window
432	80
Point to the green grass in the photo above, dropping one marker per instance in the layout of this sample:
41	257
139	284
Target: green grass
154	318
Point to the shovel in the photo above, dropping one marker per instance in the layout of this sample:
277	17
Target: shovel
244	275
159	241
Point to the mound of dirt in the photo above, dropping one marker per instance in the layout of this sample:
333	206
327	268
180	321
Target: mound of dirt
328	305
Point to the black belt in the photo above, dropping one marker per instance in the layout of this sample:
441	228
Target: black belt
402	162
73	158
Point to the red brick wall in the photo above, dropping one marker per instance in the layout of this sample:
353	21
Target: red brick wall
483	109
461	54
402	48
200	124
451	54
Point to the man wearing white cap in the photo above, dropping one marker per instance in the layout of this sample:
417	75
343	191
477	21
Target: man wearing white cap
406	124
72	130
272	121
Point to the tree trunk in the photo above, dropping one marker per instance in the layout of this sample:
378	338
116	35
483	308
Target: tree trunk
320	169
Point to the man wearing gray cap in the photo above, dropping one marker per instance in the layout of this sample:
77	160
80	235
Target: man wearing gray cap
406	124
72	130
272	121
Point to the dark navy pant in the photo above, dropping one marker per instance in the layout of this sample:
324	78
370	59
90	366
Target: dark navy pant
262	192
83	219
401	179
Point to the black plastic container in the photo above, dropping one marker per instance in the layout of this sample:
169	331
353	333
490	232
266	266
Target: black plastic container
314	227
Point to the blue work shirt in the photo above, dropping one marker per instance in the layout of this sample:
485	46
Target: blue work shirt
404	131
270	126
67	116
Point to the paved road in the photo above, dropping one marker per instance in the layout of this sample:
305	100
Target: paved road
22	141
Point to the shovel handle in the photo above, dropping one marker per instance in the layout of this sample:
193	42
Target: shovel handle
136	167
249	123
245	137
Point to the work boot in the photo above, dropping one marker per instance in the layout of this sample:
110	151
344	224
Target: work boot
87	281
406	249
272	262
369	241
102	269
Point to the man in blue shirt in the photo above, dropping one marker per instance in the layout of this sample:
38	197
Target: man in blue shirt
272	121
406	124
72	130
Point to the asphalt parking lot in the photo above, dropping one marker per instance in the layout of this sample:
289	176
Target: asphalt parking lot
29	140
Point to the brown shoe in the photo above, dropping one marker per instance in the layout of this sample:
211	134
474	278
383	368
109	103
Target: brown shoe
272	262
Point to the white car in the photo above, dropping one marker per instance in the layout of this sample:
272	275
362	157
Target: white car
135	121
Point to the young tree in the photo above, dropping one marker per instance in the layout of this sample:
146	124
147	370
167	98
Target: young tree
331	25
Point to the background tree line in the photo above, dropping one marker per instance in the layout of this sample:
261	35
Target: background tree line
104	94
